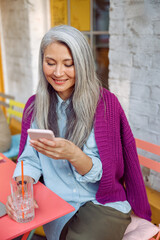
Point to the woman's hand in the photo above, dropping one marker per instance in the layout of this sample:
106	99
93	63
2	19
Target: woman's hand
10	208
61	148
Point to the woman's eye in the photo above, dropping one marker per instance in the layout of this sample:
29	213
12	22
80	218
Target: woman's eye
50	64
70	65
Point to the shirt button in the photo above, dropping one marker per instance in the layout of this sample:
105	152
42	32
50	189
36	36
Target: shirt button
69	174
64	161
74	190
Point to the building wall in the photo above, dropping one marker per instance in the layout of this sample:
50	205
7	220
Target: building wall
23	24
135	66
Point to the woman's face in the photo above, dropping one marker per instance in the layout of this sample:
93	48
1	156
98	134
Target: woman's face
58	68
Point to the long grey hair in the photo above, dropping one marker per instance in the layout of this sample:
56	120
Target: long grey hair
84	99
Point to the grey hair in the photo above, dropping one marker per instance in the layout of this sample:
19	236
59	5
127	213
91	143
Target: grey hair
86	92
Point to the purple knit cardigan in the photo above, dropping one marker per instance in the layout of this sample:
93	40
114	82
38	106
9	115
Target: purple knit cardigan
118	154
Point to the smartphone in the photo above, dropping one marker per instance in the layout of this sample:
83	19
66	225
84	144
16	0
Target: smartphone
2	209
35	134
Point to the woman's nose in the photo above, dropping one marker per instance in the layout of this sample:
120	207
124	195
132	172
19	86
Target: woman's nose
58	71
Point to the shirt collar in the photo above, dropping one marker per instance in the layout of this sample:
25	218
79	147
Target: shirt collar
61	102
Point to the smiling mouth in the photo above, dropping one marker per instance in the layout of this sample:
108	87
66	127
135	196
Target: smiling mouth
59	81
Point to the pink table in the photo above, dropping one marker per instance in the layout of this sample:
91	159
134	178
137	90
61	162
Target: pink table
51	206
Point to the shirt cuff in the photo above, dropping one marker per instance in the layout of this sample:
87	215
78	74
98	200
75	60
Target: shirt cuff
28	171
93	175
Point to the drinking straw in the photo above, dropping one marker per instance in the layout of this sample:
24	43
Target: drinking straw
22	179
22	185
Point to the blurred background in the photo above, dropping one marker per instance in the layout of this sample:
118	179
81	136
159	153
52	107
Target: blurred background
125	39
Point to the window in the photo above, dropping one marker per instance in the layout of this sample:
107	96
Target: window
92	18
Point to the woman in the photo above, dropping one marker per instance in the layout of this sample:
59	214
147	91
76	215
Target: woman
93	155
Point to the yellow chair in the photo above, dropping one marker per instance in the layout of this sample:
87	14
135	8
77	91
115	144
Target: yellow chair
14	115
4	101
40	231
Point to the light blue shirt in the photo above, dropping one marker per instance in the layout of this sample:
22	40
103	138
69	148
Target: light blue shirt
62	178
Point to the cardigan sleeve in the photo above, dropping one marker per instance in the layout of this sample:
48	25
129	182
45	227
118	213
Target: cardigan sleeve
26	122
135	188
